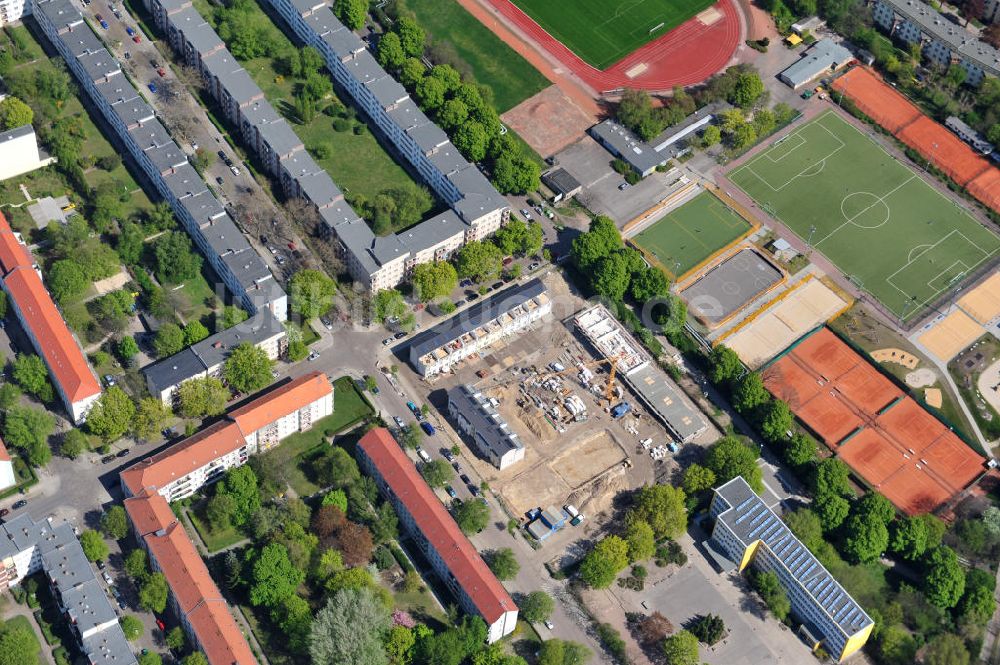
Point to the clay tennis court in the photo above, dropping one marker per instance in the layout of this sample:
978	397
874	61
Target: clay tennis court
888	439
933	141
688	54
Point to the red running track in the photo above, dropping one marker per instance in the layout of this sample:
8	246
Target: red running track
686	55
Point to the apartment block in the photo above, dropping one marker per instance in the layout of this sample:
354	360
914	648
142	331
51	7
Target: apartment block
207	357
261	424
7	477
465	334
12	11
28	547
71	374
194	598
748	532
477	418
145	140
19	152
453	558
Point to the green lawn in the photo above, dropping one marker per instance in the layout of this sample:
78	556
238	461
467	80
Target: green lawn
602	32
22	622
214	539
692	233
890	232
491	62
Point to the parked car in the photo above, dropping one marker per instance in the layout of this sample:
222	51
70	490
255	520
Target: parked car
222	155
4	512
136	38
399	335
104	24
152	87
451	491
447	455
398	421
465	283
100	564
548	624
622	187
123	453
20	503
428	428
109	380
129	30
387	341
457	467
219	180
108	459
326	323
160	624
465	479
533	266
235	170
313	356
473	490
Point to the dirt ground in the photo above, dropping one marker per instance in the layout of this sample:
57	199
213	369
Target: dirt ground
588	458
549	121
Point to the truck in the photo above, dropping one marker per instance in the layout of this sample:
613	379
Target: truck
620	409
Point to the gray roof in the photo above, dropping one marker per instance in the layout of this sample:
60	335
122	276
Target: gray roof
86	603
388	91
17	132
109	647
198	33
172	371
299	164
433	231
241	87
818	60
99	64
134	112
730	285
171	6
67	566
322	22
665	399
961	41
150	135
184	182
319	188
385	249
355	235
265	293
343	42
479	197
220	64
24	533
81	39
447	159
214	350
223	236
561	181
623	143
469	319
305	6
167	157
364	68
203	207
407	115
60	13
247	267
749	518
280	137
492	431
117	90
260	113
339	213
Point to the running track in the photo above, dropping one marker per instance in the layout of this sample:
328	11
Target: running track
686	55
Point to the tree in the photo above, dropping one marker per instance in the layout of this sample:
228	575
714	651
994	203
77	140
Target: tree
471	516
698	479
599	241
747	90
175	260
773	594
114	522
194	332
725	365
389	304
649	283
149	415
875	507
247	369
430	93
175	638
708	628
908	538
29	372
610	276
603	563
169	340
866	539
536	607
14	113
153	593
662	508
977	604
74	443
233	315
127	349
412	37
750	393
351	12
202	397
681	648
831	509
137	565
336	498
515	174
434	280
832	478
196	658
503	563
240	483
944	579
9	395
946	649
112	414
437	473
311	293
94	547
799	450
273	577
150	658
18	646
472	138
337	469
294	617
478	260
730	457
335	638
640	539
777	420
710	136
131	626
390	51
28	430
220	510
66	279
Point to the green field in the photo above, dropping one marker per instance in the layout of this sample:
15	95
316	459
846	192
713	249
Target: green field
692	233
890	232
602	32
490	61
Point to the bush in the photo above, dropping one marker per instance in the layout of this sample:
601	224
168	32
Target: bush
612	641
670	552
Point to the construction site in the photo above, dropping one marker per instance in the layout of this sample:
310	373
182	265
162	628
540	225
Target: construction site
568	391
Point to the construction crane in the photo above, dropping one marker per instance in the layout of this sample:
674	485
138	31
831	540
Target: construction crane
542	376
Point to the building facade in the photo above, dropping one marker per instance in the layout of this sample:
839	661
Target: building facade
201	459
476	417
454	559
472	330
19	148
147	142
748	532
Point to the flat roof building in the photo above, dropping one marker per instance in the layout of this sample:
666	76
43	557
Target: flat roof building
478	419
825	57
747	531
562	184
622	143
453	557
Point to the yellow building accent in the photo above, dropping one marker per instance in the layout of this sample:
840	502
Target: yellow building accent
856	641
748	554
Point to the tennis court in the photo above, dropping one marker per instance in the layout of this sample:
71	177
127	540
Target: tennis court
890	232
602	32
692	233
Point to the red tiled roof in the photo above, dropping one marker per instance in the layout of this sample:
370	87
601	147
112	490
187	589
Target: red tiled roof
53	339
4	455
178	560
434	522
218	635
149	512
281	401
182	458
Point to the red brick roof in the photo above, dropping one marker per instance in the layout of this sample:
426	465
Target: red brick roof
218	635
52	338
281	401
4	455
149	513
434	522
179	460
181	564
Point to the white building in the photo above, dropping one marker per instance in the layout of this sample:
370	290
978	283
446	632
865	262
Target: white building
7	477
19	149
12	11
477	418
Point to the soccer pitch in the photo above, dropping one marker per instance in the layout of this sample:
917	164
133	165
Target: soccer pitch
692	233
890	232
602	32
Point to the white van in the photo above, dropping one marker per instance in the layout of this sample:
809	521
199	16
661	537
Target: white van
422	454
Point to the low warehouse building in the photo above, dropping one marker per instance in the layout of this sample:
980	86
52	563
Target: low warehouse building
825	57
